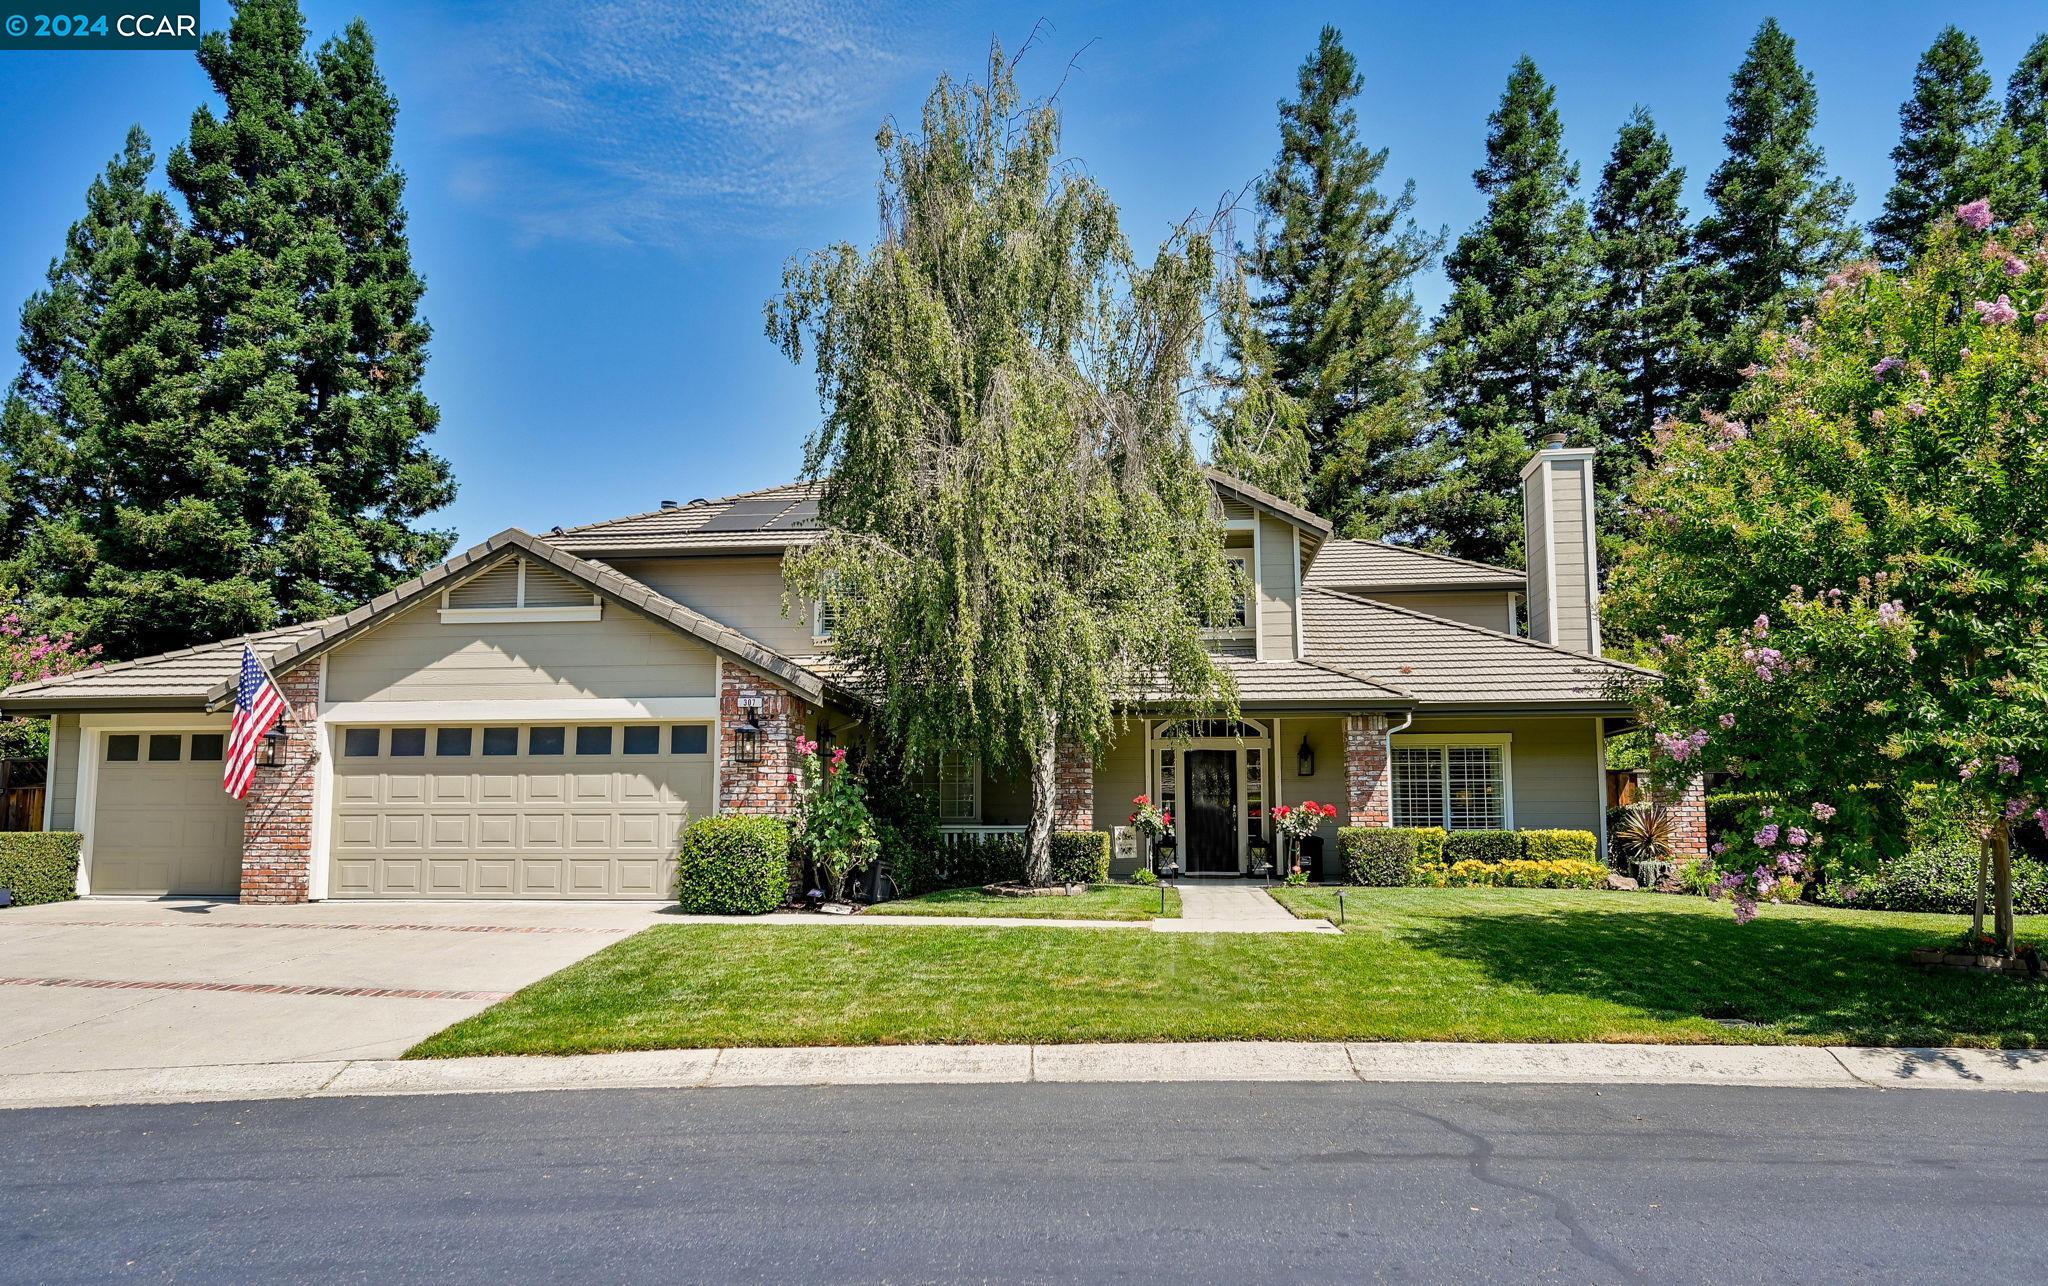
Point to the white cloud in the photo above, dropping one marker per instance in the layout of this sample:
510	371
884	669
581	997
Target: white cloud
644	123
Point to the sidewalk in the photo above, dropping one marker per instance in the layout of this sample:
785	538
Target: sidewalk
1731	1065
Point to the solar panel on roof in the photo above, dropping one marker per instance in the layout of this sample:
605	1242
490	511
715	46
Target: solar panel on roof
804	513
746	515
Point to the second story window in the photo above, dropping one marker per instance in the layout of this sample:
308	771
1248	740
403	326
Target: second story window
1240	601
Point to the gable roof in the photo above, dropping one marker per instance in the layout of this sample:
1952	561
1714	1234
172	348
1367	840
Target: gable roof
1375	564
1267	501
1450	663
763	521
205	675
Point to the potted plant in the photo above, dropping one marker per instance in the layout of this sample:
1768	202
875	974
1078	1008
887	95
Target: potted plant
1294	823
1156	825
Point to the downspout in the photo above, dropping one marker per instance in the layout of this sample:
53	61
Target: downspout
1390	763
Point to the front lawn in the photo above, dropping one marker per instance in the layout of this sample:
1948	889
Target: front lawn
1100	902
1413	964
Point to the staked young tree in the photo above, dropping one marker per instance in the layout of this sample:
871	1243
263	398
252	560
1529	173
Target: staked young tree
1019	537
1778	224
1336	259
1509	362
1941	156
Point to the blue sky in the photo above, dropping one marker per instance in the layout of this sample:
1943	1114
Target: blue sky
604	194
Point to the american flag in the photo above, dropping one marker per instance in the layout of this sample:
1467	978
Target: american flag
258	707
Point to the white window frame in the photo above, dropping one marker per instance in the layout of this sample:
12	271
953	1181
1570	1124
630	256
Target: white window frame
822	629
591	611
973	817
1246	556
1502	741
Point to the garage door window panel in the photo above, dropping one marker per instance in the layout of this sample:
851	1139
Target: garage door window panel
689	739
593	741
165	748
643	739
362	743
408	743
453	743
206	747
546	741
501	741
124	748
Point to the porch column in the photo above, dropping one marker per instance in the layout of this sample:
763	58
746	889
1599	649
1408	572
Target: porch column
1688	811
1074	790
277	817
1368	786
764	786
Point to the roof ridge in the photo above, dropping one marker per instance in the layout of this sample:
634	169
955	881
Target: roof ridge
1354	675
1470	628
664	509
1453	559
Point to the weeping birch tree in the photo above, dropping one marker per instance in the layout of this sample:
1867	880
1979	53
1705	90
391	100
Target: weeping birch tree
1020	538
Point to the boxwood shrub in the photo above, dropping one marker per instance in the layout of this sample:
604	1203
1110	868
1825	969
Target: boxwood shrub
1560	846
1482	846
1377	855
1080	857
1517	874
40	866
733	865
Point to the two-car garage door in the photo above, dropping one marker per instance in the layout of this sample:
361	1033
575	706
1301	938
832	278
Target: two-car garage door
532	811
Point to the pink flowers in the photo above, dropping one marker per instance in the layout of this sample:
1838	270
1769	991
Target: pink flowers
1975	215
1767	837
1822	812
1796	837
2001	313
1891	613
2015	266
1886	367
1761	626
2008	766
1768	661
1727	722
1680	749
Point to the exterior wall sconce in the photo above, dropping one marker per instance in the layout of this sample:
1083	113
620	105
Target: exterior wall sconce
1305	760
271	753
746	748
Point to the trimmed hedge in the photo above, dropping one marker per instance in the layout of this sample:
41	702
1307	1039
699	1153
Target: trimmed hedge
734	864
1514	873
40	866
1080	857
1380	856
1560	846
1482	846
1942	879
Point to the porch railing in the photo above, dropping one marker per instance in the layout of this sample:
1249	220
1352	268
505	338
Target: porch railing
953	834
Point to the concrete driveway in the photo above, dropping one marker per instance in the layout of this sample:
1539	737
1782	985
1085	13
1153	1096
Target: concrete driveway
107	984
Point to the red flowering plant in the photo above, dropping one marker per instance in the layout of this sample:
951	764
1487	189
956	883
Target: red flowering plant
1844	575
833	823
1153	822
1296	822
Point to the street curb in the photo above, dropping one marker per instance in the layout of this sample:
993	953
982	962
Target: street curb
1789	1066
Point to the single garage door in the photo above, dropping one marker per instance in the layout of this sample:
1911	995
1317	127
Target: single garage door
528	811
161	822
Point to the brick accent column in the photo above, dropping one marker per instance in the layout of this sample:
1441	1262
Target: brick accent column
277	821
1688	812
762	787
1369	787
1074	790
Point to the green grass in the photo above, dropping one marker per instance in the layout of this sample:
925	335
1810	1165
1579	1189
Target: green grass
1100	902
1413	964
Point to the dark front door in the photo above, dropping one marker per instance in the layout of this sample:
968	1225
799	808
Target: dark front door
1212	812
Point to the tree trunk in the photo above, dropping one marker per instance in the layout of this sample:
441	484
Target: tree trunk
2001	881
1045	785
1983	875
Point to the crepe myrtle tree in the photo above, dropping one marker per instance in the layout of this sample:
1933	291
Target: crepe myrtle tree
29	654
1018	535
1847	570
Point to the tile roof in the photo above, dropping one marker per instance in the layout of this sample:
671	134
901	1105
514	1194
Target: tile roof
1374	564
1268	501
1449	662
768	519
204	675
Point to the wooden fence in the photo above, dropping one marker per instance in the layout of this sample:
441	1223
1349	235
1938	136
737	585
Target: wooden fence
22	782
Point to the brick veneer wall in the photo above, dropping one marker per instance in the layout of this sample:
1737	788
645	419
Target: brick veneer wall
762	787
1074	790
1369	787
277	821
1688	819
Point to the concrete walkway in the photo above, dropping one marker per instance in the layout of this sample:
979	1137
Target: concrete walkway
1730	1065
1235	908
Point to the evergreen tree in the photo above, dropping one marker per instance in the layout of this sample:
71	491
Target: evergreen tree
1643	323
1336	257
1943	130
1258	431
1778	224
1509	365
2025	135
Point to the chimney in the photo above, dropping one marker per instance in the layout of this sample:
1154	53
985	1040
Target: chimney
1557	532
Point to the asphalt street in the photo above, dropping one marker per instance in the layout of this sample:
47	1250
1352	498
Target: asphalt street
1204	1182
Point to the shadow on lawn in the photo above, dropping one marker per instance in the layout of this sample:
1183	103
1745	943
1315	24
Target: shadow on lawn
1806	977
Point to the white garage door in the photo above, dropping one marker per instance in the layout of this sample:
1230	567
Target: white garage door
160	821
530	811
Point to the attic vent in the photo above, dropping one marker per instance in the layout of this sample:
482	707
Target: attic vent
670	504
520	589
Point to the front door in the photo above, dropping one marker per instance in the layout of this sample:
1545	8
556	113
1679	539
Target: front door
1211	823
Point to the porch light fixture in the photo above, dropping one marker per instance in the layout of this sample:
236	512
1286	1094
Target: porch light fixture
271	754
746	747
1305	760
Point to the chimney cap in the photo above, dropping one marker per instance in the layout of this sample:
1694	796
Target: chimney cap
1555	440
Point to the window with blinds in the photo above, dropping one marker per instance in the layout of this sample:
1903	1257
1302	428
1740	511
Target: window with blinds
1457	787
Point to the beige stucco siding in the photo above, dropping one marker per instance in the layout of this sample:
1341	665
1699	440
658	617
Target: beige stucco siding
1553	763
1277	590
62	781
417	658
1486	608
745	593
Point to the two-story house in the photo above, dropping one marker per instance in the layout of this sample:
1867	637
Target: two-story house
537	716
